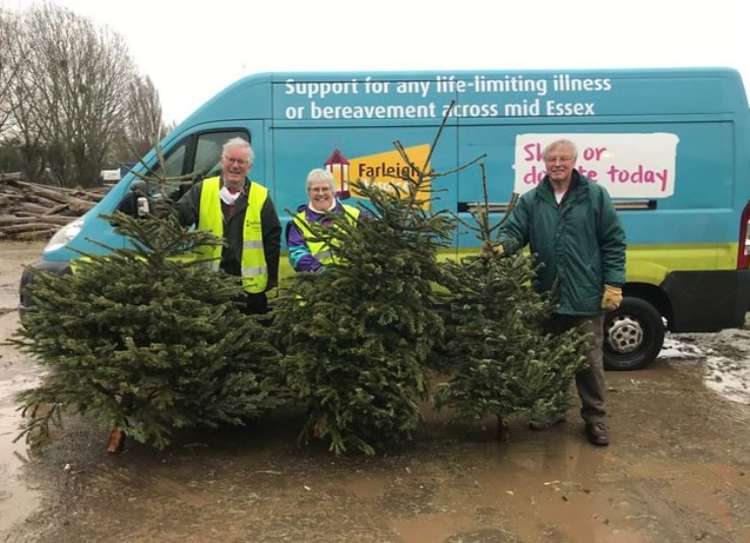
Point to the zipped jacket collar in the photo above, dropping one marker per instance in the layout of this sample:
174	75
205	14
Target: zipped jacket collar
578	188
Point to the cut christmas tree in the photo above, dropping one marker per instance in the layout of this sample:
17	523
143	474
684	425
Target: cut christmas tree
357	336
146	341
501	360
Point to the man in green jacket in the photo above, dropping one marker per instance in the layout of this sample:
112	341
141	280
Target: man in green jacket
240	212
573	231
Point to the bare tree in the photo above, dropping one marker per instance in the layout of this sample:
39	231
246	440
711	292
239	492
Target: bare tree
10	64
27	137
73	95
20	135
145	124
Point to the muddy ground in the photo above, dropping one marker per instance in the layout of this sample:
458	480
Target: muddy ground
678	469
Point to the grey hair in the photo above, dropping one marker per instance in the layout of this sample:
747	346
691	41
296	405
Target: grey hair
239	142
560	143
319	174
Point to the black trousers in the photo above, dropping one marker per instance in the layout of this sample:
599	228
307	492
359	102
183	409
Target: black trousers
256	304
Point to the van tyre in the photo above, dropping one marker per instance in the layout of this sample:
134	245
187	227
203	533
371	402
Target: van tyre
633	335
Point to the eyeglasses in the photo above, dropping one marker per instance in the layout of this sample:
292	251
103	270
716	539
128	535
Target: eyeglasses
555	159
240	161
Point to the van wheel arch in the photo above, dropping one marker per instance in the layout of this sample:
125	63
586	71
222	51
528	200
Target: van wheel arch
634	333
653	295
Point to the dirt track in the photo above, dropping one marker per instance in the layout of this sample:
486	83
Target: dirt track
678	469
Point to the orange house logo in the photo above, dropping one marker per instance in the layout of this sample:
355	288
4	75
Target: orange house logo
386	170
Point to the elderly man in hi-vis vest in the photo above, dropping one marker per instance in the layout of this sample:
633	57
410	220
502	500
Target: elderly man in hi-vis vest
241	212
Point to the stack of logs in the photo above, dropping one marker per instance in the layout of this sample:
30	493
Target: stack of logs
33	211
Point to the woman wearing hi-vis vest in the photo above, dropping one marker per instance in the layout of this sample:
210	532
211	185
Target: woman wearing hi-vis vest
241	212
307	255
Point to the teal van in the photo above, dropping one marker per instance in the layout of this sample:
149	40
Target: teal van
672	146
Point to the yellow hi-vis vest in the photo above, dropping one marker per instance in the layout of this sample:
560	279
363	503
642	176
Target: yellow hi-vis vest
210	217
320	249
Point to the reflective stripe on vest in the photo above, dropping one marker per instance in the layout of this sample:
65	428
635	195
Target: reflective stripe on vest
320	249
253	264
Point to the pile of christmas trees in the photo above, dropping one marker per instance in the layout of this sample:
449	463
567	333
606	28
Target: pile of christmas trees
146	341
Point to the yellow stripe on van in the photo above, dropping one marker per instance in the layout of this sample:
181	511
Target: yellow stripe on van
651	263
645	263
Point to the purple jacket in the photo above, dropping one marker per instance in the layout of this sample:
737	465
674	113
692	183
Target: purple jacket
300	256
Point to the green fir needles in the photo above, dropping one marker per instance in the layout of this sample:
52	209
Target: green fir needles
145	340
502	360
357	336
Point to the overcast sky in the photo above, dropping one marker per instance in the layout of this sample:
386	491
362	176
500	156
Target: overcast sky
192	50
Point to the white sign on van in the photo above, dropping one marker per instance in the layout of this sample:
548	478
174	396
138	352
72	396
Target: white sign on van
628	165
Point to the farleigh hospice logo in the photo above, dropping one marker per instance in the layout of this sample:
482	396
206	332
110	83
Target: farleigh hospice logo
383	169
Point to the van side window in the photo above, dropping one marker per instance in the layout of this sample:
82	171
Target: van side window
203	150
173	162
208	150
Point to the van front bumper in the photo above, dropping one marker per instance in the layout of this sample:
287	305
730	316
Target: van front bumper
27	277
707	301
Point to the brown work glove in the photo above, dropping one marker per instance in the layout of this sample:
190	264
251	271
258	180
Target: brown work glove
488	249
612	297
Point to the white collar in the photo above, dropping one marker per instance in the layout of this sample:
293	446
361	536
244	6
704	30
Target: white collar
333	206
227	197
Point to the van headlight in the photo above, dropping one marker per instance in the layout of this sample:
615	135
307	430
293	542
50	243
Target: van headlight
64	235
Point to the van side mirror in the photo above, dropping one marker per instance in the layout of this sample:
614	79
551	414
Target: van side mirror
129	204
136	201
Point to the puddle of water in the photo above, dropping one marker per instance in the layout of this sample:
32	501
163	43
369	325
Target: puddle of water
430	527
17	500
728	378
365	486
549	486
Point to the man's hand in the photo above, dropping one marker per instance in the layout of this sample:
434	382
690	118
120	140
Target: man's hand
612	297
489	249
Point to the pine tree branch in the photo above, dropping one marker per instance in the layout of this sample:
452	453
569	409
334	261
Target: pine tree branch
461	168
439	133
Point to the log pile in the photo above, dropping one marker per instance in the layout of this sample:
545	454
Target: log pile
34	211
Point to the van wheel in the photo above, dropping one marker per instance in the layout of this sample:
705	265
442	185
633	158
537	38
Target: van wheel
633	335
